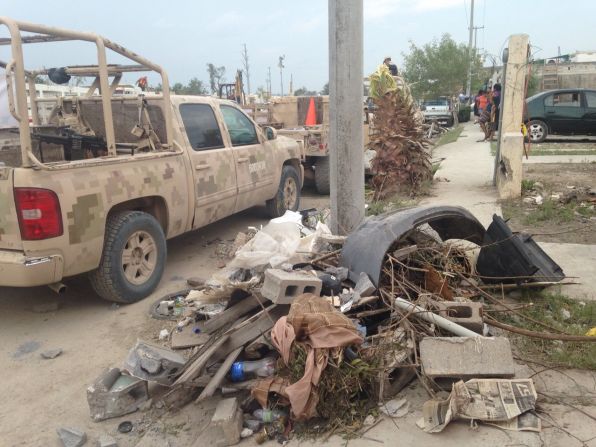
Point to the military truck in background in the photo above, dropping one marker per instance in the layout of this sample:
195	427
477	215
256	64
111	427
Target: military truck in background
102	185
287	114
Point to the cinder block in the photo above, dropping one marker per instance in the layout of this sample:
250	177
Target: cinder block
107	441
282	287
115	394
72	437
154	363
446	359
226	423
468	315
364	286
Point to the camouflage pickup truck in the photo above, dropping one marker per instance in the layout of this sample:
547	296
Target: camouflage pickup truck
101	185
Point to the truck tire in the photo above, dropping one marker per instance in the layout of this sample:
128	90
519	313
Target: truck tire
288	193
322	175
133	258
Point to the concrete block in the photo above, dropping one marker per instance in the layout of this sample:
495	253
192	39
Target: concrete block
468	315
282	287
448	359
71	437
115	394
226	423
107	441
364	285
153	363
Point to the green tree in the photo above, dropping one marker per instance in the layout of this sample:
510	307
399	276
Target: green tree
325	90
177	88
216	76
195	87
303	91
41	79
439	68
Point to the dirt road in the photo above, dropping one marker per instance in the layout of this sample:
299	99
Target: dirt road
39	395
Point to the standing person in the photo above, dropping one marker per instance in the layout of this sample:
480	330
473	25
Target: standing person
392	67
476	104
482	101
485	116
495	106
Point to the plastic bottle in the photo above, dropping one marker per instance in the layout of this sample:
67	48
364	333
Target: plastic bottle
241	371
268	416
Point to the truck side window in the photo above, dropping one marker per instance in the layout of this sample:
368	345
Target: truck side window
242	130
201	126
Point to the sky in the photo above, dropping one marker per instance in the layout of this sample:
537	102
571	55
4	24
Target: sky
183	36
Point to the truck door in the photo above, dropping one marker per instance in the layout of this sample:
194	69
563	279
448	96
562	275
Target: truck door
213	165
254	162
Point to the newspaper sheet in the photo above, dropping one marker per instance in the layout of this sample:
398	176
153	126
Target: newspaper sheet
499	402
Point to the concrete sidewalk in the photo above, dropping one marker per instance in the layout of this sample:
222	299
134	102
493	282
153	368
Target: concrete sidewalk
468	172
468	167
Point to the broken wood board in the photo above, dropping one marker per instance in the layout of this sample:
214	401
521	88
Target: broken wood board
403	253
220	375
234	338
251	329
195	368
233	313
187	338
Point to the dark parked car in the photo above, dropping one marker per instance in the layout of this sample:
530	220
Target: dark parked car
561	112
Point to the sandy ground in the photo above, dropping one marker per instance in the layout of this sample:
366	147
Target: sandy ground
39	395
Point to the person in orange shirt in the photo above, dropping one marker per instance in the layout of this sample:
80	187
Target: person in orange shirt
482	102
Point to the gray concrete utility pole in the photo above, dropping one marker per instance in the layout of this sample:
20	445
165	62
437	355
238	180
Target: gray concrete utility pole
470	52
511	141
345	115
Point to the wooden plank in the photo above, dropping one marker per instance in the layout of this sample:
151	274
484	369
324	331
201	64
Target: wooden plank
234	338
403	253
187	338
233	313
250	331
197	366
220	375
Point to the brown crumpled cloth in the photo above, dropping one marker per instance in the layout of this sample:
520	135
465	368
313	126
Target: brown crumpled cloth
322	330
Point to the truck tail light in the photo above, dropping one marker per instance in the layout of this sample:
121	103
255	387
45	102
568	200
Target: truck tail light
39	215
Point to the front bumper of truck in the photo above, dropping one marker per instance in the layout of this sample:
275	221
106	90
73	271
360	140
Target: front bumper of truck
19	270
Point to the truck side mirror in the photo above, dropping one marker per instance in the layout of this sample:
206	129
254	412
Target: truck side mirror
271	133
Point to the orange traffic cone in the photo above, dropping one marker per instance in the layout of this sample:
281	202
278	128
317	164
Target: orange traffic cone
311	115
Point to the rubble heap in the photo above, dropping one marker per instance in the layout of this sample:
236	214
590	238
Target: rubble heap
320	327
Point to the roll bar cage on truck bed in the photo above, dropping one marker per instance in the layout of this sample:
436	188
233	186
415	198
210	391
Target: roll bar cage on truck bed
17	78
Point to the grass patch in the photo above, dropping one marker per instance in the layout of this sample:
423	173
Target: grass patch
493	148
562	313
546	152
527	185
550	210
450	136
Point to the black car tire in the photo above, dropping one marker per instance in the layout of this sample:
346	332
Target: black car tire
288	193
537	131
127	282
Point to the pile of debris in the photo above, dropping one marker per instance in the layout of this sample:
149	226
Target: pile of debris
326	328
